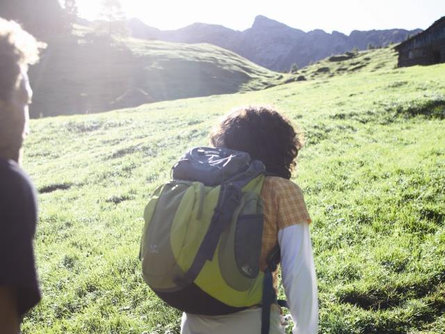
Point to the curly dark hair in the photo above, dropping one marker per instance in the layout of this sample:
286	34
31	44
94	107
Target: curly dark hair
263	133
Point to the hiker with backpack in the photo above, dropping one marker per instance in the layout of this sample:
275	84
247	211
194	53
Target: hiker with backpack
215	234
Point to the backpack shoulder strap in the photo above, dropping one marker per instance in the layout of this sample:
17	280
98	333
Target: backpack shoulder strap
269	296
229	199
268	299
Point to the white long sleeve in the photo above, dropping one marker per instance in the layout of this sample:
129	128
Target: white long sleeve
298	275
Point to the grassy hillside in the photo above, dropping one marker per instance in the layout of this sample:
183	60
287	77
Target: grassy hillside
351	62
372	172
87	73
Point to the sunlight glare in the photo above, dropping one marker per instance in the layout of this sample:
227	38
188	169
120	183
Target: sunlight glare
89	9
172	14
340	15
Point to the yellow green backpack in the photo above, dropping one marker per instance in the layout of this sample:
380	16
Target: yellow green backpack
202	237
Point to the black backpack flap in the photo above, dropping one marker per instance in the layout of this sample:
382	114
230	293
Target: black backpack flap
211	166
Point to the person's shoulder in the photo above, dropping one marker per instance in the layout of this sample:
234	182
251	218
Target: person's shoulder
282	185
290	201
13	180
18	198
10	169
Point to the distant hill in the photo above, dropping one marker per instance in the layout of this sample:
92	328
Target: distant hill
383	59
87	73
272	44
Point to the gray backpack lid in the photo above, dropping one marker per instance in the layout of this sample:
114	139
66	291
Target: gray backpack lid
216	165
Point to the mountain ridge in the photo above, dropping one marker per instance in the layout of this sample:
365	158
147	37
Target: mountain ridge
273	44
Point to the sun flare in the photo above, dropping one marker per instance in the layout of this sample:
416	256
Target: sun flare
166	14
239	15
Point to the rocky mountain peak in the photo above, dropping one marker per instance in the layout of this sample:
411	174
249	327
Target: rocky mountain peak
262	22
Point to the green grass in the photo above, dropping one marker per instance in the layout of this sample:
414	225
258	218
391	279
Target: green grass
372	172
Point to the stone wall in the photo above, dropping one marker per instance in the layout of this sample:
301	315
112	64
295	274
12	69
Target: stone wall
426	48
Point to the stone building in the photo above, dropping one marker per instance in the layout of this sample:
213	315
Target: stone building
425	48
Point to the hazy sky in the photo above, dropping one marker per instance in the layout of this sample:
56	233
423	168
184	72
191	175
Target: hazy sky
329	15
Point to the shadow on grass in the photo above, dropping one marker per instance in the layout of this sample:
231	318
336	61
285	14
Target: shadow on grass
386	297
429	295
118	199
53	187
434	109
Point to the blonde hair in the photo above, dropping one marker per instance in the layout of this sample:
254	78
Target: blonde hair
17	49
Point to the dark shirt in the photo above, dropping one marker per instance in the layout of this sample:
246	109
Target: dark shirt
18	217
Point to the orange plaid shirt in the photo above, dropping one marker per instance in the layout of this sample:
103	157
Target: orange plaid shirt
283	206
